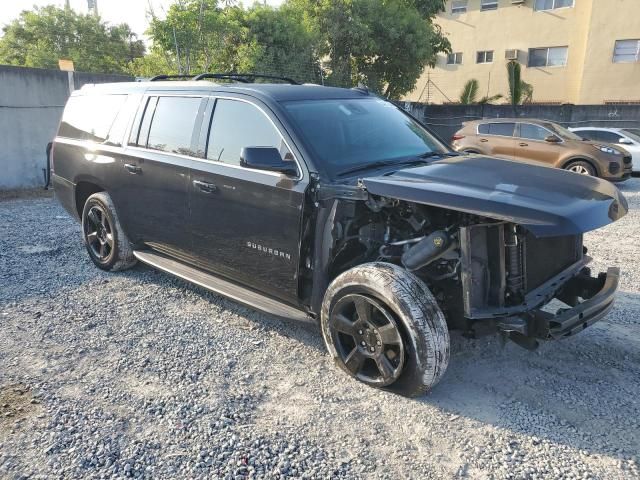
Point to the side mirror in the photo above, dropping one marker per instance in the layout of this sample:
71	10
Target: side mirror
552	139
625	141
266	158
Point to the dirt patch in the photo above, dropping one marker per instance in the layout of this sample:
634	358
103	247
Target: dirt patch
17	404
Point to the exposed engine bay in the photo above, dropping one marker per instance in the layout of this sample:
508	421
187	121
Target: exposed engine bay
486	274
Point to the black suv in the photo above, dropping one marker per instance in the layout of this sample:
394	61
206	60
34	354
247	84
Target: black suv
332	204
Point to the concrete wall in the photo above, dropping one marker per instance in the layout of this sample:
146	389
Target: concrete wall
31	104
445	120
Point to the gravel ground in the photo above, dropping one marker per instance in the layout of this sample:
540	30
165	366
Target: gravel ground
142	375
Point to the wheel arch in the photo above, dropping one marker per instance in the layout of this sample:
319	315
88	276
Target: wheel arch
84	189
582	158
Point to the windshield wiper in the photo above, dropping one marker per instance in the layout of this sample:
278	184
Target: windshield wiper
379	164
438	154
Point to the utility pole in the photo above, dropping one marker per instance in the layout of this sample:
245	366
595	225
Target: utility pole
92	6
67	5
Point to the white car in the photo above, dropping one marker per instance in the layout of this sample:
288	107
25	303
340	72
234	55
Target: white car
628	139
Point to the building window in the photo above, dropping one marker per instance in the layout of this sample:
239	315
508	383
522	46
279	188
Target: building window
626	51
459	6
552	4
454	58
488	5
548	57
485	57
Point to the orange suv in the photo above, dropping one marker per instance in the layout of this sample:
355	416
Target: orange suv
537	141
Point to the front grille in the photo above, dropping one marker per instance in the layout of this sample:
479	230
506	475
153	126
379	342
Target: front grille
627	160
547	257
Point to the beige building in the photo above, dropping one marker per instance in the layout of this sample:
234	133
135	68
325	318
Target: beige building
571	51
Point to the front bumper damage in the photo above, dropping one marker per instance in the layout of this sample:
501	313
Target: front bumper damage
589	300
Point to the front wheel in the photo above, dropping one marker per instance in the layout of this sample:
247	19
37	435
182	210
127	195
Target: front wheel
382	326
581	167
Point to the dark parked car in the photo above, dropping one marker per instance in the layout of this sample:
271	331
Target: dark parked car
333	205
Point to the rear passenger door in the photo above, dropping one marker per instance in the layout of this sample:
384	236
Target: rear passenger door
155	171
246	223
497	139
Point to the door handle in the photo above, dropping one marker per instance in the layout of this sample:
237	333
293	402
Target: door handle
484	140
131	168
524	144
205	186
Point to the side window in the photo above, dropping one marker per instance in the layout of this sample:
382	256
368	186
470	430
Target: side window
172	124
533	132
502	129
89	117
236	125
609	137
483	129
588	134
122	120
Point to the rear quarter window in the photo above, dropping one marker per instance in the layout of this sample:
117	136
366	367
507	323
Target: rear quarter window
90	117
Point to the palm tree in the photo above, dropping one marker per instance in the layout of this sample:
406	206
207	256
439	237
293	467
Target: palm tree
519	91
469	92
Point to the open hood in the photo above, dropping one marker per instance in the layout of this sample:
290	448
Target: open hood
546	201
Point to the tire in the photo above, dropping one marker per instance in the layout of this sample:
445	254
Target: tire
581	167
397	299
103	236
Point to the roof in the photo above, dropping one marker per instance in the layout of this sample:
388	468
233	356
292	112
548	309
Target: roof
273	91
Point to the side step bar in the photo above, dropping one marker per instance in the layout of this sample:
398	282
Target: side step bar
220	286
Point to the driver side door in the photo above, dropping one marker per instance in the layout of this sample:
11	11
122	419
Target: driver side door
532	144
246	223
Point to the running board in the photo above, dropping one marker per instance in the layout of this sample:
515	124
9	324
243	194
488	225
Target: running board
220	286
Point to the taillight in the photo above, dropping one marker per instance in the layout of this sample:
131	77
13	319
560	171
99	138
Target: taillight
457	137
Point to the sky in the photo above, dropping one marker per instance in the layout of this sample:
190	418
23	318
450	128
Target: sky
132	12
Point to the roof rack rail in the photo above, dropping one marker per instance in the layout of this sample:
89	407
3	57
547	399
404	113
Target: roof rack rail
243	77
168	77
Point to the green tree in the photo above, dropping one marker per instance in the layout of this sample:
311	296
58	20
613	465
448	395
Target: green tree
39	37
469	92
200	35
519	91
384	44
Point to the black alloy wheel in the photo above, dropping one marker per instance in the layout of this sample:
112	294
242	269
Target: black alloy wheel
367	339
98	233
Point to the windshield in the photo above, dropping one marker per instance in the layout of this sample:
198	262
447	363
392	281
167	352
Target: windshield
349	133
562	132
632	133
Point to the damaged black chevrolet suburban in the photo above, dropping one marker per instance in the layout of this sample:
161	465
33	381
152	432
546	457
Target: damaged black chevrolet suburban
333	205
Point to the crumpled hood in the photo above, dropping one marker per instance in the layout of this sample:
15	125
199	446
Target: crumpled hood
547	201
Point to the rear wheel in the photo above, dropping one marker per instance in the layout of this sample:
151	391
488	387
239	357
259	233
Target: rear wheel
382	326
105	240
582	167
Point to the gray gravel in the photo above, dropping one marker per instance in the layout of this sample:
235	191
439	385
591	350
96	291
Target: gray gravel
141	375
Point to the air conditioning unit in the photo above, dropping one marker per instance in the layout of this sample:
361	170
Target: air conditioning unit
511	54
518	2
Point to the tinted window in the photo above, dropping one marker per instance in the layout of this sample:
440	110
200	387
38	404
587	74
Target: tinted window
502	129
122	120
609	137
236	125
356	132
172	124
533	132
89	117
